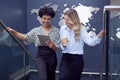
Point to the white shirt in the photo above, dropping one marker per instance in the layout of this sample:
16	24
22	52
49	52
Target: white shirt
76	47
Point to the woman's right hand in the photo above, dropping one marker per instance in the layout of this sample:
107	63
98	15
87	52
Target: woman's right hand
11	30
64	41
17	34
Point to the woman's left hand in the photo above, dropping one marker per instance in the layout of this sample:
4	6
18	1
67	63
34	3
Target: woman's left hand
49	43
101	33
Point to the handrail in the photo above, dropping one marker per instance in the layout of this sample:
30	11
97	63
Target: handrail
18	42
106	26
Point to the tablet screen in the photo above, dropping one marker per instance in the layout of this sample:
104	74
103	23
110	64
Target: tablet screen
42	39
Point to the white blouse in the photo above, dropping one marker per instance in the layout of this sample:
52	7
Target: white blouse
76	47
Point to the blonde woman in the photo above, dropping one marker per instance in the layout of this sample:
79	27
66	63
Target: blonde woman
73	36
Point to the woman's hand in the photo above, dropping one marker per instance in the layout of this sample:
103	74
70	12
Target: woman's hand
101	34
17	34
11	30
51	45
64	41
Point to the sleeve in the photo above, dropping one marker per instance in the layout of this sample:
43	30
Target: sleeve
57	40
30	37
62	35
89	40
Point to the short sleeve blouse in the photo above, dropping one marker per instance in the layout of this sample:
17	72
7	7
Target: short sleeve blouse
32	37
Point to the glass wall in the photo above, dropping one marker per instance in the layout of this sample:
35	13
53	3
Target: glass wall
112	44
13	61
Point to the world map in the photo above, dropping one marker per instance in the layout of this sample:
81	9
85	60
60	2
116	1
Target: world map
85	14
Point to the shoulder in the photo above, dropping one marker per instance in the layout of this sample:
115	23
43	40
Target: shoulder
36	29
84	28
63	27
55	28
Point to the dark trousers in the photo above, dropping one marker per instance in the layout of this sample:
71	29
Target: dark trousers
71	67
46	63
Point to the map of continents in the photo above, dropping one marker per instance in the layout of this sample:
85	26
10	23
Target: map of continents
85	14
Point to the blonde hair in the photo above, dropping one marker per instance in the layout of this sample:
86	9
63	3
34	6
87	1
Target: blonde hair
73	16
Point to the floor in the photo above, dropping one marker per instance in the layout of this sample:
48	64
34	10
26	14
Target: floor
34	76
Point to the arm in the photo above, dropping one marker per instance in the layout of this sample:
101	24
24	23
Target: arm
17	34
91	41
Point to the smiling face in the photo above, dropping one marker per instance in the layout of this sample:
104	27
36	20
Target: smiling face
46	19
68	22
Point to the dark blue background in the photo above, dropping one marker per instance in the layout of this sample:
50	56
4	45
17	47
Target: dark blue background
16	14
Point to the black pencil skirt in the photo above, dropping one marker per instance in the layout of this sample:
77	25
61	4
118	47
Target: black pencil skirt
46	63
71	67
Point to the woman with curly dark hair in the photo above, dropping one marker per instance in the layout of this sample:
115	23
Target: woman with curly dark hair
46	55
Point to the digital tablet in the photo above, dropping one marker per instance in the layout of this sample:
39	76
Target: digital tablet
42	39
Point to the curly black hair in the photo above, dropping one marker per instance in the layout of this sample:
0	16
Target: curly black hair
46	11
